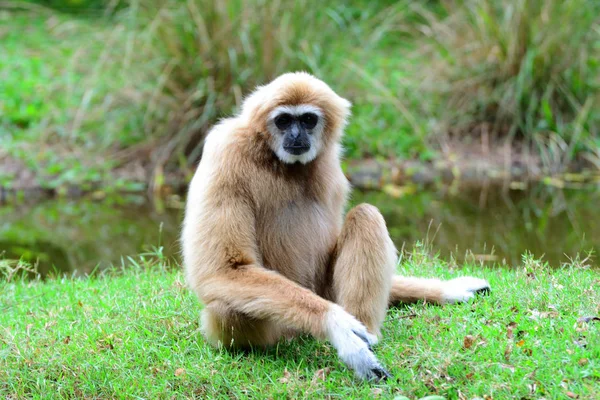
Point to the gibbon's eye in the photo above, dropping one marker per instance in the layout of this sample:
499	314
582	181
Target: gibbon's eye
309	120
283	121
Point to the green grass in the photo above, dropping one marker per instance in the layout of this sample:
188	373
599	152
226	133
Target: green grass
58	77
135	334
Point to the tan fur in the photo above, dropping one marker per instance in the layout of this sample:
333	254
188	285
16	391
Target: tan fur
364	266
264	243
411	290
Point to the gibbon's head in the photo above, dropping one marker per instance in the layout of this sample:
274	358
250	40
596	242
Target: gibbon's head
298	115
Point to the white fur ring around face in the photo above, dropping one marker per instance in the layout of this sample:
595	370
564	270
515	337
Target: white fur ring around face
463	289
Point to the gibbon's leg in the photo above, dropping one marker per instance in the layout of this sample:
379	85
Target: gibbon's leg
365	261
244	306
223	326
411	290
363	281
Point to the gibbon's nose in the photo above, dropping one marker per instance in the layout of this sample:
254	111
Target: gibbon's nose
294	131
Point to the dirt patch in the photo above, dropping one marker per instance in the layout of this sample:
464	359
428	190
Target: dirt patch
16	172
20	183
470	164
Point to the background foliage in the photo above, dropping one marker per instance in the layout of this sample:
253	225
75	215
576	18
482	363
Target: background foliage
135	85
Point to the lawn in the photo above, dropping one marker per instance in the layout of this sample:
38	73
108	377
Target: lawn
134	334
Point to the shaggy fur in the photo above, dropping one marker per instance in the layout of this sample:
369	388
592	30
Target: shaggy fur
265	245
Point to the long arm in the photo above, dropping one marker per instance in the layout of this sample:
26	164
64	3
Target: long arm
263	294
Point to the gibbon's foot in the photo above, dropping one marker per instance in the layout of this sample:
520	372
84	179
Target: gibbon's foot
353	343
463	289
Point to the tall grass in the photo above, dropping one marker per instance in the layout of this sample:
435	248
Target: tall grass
138	89
205	55
141	86
528	68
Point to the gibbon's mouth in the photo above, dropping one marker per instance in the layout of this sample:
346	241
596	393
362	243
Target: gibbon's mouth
296	150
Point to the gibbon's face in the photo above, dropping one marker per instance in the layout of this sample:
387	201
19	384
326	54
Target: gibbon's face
297	132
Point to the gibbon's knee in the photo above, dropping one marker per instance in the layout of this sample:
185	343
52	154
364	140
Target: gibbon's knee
366	221
364	266
222	326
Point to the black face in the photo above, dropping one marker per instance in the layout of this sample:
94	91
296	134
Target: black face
296	130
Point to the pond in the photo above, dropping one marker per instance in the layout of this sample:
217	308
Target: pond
490	225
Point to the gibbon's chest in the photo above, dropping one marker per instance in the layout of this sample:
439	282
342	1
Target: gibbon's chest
295	238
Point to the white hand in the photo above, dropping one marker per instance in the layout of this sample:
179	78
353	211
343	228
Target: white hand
353	344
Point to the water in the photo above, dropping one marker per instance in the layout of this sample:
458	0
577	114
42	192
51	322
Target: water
497	226
490	225
80	236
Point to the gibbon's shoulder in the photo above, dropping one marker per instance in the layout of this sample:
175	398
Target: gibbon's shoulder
221	136
235	144
226	158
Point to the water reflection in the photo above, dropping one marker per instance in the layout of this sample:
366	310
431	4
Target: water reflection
79	236
496	226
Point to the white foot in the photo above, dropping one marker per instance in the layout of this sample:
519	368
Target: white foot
463	289
353	344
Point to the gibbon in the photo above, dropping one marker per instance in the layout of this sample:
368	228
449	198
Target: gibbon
265	245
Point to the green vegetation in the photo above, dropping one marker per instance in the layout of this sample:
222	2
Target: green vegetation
528	69
119	94
135	86
135	333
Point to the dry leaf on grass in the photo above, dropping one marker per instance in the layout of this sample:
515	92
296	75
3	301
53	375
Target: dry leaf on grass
508	351
320	375
468	341
286	377
510	329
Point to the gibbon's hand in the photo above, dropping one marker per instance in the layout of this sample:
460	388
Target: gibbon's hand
353	344
464	289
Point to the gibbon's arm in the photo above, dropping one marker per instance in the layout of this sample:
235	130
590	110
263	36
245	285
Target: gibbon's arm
224	268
